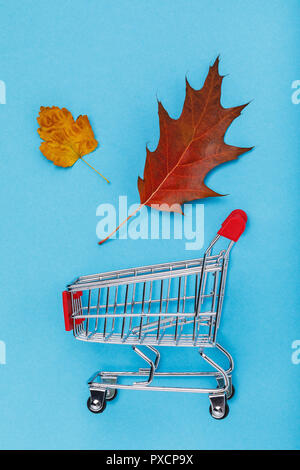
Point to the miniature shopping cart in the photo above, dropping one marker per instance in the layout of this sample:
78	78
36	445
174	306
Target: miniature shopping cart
171	304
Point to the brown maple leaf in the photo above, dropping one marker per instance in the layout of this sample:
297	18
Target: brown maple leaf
65	140
188	148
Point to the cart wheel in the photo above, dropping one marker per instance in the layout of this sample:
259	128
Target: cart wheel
95	406
216	413
111	394
232	393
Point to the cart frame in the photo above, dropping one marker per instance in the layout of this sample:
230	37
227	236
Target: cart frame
110	308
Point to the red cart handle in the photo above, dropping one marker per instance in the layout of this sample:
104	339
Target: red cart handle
234	225
68	311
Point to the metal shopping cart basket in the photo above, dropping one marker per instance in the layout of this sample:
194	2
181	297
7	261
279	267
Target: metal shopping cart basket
171	304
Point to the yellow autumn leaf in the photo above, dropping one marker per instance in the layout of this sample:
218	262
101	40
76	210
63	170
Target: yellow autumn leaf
65	140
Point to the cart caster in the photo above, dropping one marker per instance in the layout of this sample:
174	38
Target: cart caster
217	413
111	394
219	408
95	405
97	401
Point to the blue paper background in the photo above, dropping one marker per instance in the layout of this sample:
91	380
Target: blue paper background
110	60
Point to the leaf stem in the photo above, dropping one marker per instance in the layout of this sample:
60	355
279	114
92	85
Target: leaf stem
94	169
121	224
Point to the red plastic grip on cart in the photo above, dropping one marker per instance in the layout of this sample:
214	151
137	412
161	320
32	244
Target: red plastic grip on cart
67	306
234	225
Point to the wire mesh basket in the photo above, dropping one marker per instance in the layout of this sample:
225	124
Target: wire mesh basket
170	304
